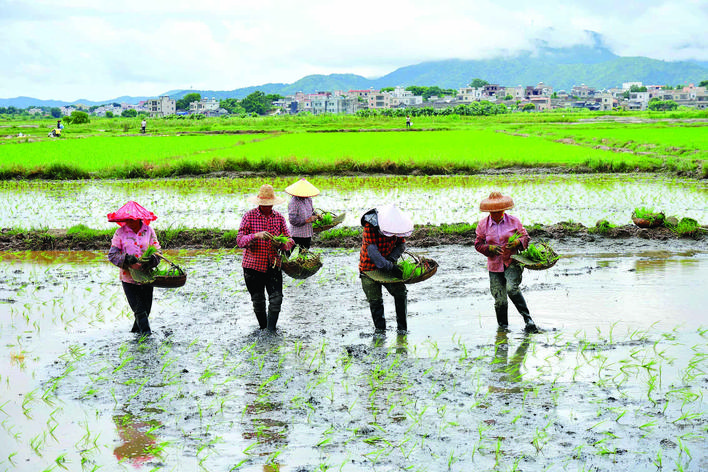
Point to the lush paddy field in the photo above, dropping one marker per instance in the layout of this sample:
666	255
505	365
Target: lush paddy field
459	145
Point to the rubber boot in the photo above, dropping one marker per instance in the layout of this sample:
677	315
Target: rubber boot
143	323
262	319
259	308
275	300
502	315
401	313
272	321
135	328
520	304
377	314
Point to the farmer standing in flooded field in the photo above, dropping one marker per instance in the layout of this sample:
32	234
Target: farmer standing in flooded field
301	213
129	243
493	233
383	243
261	262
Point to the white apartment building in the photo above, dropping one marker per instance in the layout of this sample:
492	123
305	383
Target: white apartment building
205	105
159	107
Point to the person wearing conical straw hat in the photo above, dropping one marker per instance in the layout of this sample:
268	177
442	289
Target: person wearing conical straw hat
492	240
129	243
301	213
261	262
383	242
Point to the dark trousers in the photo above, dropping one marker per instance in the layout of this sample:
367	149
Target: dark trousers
139	297
506	284
372	290
303	242
258	283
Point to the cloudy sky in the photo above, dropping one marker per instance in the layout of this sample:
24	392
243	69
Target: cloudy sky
98	50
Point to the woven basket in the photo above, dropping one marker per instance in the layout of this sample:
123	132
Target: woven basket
336	219
429	266
303	267
655	222
535	265
170	281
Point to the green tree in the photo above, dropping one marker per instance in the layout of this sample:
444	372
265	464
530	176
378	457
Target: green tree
662	105
704	83
232	105
528	107
508	97
79	117
109	114
257	102
55	112
636	88
387	89
477	83
183	103
129	113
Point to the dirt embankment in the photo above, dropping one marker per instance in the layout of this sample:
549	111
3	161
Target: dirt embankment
423	236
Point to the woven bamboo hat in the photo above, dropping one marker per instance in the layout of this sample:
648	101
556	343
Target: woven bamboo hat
496	202
266	197
302	188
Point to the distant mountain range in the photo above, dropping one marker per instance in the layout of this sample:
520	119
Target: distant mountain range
562	68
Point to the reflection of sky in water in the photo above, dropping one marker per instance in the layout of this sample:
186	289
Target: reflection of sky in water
204	203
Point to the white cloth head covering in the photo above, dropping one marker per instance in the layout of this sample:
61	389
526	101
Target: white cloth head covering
393	222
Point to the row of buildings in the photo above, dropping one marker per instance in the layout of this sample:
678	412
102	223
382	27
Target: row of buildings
541	96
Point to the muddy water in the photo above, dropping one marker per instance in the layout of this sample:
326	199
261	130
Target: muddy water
544	199
615	382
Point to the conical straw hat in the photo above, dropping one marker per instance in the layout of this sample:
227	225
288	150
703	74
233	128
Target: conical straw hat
496	202
131	211
393	222
266	197
302	188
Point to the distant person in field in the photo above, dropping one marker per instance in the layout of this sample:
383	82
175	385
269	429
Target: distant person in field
301	213
143	125
385	230
493	233
261	261
129	243
60	125
408	121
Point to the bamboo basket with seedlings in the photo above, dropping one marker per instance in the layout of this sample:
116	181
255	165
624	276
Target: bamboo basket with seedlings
170	277
647	218
300	263
415	268
540	256
326	220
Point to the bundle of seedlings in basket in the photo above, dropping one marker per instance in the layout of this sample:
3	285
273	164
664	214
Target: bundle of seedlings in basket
300	263
410	269
537	256
325	219
647	217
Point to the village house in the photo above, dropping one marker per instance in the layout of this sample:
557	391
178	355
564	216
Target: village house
204	106
162	106
401	97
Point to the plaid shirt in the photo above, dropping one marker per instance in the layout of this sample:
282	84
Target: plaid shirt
385	244
300	209
260	254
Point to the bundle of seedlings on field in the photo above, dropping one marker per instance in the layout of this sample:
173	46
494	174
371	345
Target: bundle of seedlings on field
685	227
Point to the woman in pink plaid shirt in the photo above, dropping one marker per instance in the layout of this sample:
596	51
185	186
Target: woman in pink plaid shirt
261	261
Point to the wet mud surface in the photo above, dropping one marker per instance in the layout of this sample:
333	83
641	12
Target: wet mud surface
614	382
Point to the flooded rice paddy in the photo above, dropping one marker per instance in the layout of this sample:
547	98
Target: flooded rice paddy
615	382
220	202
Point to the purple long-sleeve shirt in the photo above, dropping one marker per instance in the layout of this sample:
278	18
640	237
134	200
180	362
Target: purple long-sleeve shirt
491	233
299	210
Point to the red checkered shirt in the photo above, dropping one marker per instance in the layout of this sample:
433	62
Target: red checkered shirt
260	254
385	244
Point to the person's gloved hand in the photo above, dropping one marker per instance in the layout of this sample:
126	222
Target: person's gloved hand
129	260
396	272
154	261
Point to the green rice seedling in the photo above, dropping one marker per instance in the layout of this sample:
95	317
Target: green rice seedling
326	218
540	253
647	213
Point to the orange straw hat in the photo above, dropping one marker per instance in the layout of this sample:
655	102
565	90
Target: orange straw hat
266	197
302	188
496	202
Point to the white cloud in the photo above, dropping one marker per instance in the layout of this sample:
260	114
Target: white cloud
98	50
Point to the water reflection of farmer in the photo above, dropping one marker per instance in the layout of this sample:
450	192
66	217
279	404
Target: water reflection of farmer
301	213
383	243
129	242
493	233
261	262
509	368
